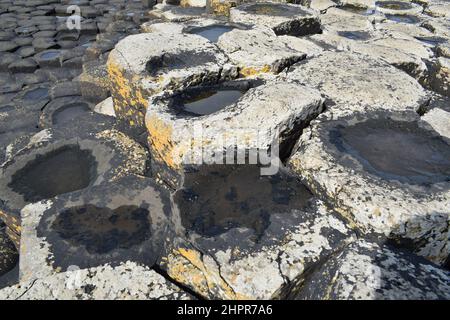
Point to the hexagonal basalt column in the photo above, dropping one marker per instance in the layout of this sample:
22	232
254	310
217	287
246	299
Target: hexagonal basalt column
66	159
386	172
259	52
127	281
108	223
283	18
240	235
398	7
358	82
210	124
367	271
145	64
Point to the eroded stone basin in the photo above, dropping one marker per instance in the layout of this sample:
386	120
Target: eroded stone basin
69	112
403	18
212	33
59	171
217	198
396	150
394	5
101	230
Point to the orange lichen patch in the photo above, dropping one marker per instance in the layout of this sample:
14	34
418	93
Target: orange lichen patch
187	266
254	71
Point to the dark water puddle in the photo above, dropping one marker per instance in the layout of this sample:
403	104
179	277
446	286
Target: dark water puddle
37	94
403	18
101	230
60	171
357	10
396	150
212	33
355	35
70	112
217	198
394	5
210	101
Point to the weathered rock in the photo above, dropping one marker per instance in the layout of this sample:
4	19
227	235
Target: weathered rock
367	271
258	52
398	7
106	107
128	281
94	81
175	13
386	172
229	119
49	58
336	19
439	79
241	235
27	65
405	54
439	9
284	19
359	82
145	64
107	223
87	152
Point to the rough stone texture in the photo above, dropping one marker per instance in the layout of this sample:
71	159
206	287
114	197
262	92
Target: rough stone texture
128	281
359	82
232	265
410	212
273	112
439	9
439	120
116	154
145	64
258	52
175	13
283	19
336	19
367	271
9	256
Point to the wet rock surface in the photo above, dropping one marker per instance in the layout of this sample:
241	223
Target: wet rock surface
108	191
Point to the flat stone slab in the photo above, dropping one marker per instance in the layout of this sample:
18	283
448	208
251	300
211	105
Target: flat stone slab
400	188
282	18
360	82
367	271
398	7
145	64
240	235
127	281
336	19
250	122
259	52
